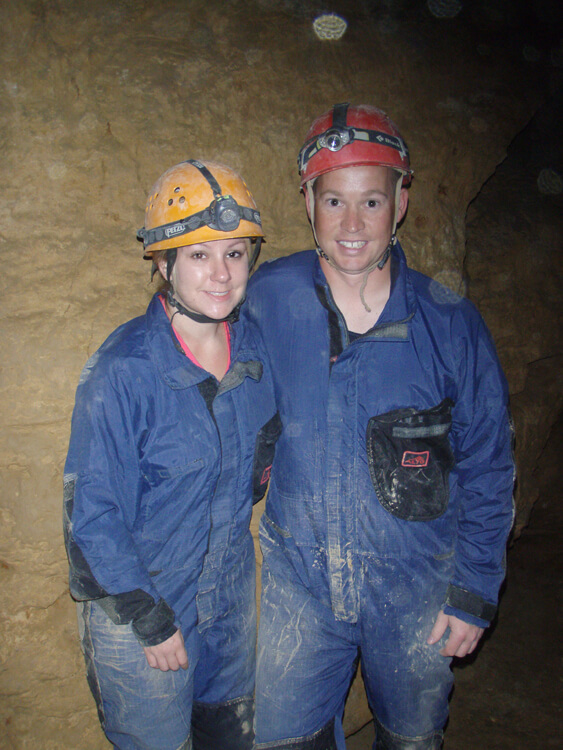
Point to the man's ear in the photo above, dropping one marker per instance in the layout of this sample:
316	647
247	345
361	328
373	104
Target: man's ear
403	203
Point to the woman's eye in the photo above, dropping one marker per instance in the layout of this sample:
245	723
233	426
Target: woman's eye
198	256
235	254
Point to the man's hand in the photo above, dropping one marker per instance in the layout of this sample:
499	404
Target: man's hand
463	637
170	654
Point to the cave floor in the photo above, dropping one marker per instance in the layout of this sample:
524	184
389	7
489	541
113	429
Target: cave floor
508	696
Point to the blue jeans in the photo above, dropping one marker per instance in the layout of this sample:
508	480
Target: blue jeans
209	706
307	658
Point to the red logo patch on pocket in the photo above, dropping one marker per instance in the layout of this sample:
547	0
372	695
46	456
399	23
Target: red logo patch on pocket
417	460
266	474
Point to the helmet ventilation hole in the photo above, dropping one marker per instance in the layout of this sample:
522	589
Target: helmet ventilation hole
170	201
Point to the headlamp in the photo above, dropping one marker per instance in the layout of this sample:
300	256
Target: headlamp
225	213
334	139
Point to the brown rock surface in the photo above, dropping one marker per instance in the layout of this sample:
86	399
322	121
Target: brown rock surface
98	99
514	266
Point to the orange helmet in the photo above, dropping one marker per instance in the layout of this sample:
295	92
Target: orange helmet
198	201
352	136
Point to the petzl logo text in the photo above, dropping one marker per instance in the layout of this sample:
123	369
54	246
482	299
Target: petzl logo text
176	229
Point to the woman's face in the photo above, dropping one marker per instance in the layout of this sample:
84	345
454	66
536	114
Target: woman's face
210	278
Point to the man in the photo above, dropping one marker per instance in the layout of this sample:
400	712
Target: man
390	501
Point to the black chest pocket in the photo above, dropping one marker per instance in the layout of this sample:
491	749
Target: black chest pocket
264	456
410	459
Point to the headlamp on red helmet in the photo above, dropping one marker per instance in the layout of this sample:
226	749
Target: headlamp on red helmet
348	136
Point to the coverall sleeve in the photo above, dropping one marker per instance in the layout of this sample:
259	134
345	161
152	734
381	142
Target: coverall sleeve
484	473
101	506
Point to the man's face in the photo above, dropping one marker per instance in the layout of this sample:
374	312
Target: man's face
353	214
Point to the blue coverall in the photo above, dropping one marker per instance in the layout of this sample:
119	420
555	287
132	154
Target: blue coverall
163	465
390	498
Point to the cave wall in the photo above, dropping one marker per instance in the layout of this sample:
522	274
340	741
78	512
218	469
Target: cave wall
514	273
97	100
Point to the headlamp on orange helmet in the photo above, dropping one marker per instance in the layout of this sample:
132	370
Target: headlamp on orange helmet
197	201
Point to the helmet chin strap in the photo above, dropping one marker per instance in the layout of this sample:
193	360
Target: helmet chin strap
376	264
200	317
379	263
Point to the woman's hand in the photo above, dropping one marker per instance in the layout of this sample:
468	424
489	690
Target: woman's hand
170	654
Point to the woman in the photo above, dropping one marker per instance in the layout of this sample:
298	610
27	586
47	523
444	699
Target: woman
173	434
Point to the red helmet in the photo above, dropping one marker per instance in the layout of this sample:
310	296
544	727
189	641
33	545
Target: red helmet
353	136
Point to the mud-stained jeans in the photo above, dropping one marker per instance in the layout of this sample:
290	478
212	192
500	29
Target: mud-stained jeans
307	658
209	706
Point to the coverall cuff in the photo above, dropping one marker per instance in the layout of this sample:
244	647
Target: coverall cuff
469	607
461	615
152	623
156	626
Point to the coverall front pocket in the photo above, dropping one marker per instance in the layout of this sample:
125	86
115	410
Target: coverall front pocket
410	459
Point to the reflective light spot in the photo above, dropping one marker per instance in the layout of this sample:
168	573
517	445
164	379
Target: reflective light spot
530	53
550	182
329	26
444	8
446	286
